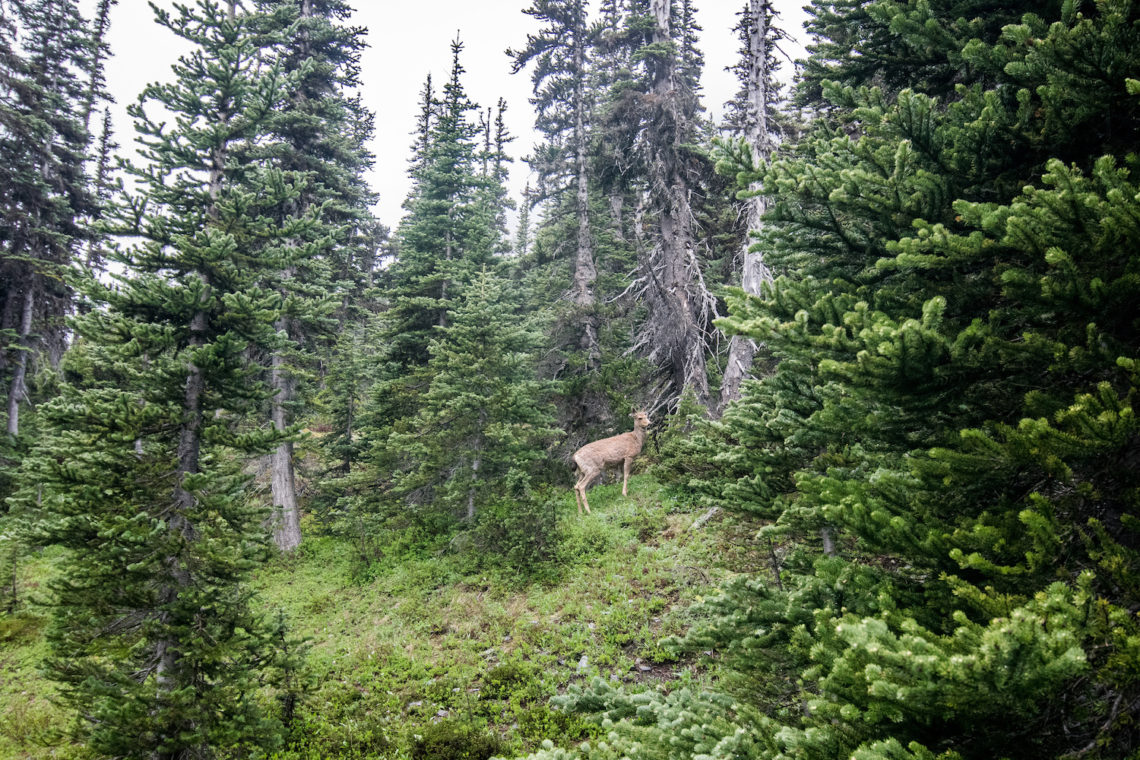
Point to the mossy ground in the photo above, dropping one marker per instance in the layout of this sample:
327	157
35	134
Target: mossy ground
426	650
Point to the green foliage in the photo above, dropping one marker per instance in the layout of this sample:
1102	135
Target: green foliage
155	641
522	535
482	422
454	740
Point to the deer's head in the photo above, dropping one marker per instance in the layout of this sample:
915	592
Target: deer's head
641	420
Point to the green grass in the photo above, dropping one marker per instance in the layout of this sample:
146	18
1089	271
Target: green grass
427	650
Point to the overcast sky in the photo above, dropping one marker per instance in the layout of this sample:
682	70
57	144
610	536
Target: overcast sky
407	39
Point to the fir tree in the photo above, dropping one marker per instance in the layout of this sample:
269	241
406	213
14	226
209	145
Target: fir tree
446	237
483	421
654	115
154	640
753	117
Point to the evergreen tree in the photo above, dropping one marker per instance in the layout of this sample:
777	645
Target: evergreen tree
320	137
564	108
446	235
154	640
483	421
49	77
654	115
754	119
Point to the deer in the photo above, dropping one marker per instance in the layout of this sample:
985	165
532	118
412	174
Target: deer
593	457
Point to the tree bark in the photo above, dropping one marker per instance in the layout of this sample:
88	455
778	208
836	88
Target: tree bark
286	515
17	391
754	272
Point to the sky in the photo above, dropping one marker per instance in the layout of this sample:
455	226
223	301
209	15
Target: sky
407	39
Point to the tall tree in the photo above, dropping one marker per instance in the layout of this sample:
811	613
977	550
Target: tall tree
155	641
755	123
658	116
47	80
317	137
563	106
445	237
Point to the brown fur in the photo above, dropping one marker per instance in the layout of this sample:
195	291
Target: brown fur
593	458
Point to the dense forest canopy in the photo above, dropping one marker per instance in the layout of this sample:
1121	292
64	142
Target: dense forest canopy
882	313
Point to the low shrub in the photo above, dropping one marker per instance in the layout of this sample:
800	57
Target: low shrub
455	740
521	534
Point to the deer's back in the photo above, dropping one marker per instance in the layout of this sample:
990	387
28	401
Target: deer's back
608	450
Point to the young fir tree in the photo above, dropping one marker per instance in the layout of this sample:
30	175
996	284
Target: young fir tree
449	234
483	421
154	640
955	396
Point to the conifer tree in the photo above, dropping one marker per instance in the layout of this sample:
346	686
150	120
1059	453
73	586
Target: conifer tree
445	237
320	135
483	421
564	108
754	120
50	75
656	118
154	640
954	396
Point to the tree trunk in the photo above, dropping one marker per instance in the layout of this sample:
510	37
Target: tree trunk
286	515
754	272
474	486
681	307
585	272
17	391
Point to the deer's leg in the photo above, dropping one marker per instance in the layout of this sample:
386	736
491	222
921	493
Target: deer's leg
580	490
625	481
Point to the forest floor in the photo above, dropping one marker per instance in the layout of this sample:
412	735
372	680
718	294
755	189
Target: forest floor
424	650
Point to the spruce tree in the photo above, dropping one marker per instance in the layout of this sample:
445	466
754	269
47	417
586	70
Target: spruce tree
654	116
139	476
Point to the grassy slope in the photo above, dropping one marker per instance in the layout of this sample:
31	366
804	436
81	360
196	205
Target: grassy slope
427	638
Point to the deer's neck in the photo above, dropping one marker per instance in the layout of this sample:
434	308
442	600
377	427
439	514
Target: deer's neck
639	436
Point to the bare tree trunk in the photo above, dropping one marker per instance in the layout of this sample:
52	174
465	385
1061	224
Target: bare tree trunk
17	391
754	272
474	485
286	514
825	534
